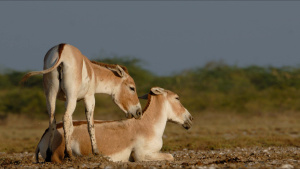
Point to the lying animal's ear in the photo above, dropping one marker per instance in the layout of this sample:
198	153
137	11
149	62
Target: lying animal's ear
144	97
157	90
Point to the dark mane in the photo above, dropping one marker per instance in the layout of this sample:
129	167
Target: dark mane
148	103
78	123
113	66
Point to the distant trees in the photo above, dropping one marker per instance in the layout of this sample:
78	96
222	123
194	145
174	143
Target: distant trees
214	87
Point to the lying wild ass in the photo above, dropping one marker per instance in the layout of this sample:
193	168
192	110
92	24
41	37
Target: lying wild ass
124	140
68	75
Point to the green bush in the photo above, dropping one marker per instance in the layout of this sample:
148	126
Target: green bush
27	101
214	87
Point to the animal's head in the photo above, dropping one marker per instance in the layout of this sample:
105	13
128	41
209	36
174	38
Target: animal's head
124	94
175	111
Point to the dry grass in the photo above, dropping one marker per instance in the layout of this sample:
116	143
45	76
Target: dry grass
20	134
231	130
211	130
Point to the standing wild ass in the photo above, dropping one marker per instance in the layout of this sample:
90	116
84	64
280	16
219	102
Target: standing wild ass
124	140
68	75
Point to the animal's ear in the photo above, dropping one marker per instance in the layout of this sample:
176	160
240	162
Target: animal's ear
144	96
118	70
157	90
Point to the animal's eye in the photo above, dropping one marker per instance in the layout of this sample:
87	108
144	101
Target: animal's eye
132	88
177	98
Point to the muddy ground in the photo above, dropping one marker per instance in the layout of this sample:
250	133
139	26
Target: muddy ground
256	157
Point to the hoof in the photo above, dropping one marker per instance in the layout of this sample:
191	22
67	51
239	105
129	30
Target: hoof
96	152
68	156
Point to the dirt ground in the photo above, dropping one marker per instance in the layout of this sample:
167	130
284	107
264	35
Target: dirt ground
216	140
256	157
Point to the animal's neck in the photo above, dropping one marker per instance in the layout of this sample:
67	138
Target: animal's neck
105	80
154	116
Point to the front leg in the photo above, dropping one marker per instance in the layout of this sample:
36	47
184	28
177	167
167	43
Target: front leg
89	112
51	99
158	157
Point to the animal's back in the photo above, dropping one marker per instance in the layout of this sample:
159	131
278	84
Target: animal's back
115	140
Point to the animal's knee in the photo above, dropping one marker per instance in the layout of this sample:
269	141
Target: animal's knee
67	119
68	125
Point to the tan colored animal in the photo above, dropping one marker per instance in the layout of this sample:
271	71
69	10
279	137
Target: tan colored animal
140	140
68	75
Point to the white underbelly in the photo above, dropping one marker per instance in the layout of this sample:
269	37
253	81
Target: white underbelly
121	156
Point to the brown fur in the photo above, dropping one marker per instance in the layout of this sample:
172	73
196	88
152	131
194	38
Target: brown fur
79	78
78	123
116	136
60	48
148	103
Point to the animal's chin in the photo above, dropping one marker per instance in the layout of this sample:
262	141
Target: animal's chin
187	125
175	122
129	115
138	118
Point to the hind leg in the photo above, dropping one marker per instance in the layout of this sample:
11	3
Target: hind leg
89	112
70	87
68	125
51	86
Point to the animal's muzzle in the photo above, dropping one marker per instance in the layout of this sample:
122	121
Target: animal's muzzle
129	115
188	122
138	113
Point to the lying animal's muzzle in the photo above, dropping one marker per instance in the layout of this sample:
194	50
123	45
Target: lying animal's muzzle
129	115
137	115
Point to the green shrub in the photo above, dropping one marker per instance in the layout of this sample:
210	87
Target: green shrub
31	102
214	87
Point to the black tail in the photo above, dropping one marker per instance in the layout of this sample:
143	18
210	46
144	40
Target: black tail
48	155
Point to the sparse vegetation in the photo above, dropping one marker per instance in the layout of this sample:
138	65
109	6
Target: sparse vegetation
233	106
214	87
251	111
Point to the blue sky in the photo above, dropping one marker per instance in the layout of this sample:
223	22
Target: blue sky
169	36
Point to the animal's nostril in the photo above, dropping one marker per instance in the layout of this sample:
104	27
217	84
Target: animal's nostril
138	113
191	118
